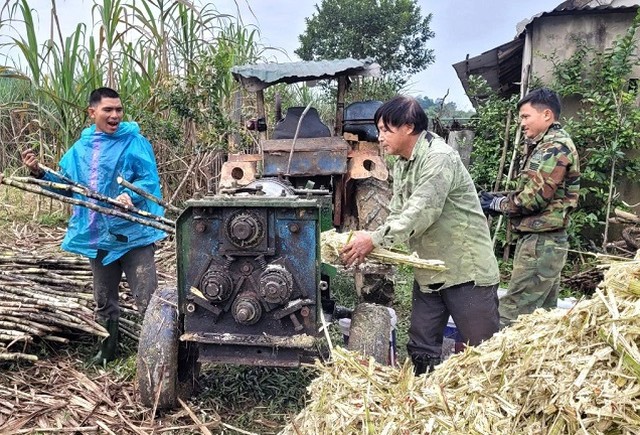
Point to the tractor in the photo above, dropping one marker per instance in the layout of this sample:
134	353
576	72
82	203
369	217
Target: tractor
251	285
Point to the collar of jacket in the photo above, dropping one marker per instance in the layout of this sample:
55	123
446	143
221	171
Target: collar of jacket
538	138
419	142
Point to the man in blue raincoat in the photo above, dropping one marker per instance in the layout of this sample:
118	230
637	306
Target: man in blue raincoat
107	149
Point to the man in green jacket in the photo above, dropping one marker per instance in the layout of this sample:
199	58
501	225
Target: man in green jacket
436	211
547	191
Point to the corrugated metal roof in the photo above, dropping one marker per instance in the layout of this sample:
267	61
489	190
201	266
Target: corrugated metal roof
572	6
500	67
580	5
260	76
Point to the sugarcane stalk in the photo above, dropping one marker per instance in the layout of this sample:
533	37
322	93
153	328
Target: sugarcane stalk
121	181
21	305
64	292
9	335
33	329
94	330
50	280
68	261
55	338
128	331
85	191
22	321
60	176
15	356
74	324
104	210
40	297
126	310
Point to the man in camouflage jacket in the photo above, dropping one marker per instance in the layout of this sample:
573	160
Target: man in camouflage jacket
539	209
435	210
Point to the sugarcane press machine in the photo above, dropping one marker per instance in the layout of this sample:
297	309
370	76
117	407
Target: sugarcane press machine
250	289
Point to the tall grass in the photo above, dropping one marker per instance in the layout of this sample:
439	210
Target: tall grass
169	59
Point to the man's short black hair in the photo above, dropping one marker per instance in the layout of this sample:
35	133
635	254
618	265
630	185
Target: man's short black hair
98	94
402	110
543	98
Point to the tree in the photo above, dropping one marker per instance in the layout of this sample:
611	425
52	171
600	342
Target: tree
393	32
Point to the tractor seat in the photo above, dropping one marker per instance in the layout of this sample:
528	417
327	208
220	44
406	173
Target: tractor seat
358	119
311	125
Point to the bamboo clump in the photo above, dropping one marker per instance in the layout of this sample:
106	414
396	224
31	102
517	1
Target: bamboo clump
552	372
332	242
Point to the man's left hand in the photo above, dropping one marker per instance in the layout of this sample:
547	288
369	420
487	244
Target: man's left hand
357	249
124	199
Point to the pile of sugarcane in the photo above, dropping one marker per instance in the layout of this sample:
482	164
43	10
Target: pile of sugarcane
42	296
553	372
46	294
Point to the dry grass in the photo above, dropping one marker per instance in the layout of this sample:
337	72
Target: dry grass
23	207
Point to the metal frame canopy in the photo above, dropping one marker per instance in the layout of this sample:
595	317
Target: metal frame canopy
257	77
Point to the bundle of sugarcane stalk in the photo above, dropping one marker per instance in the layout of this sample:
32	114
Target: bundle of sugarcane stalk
62	191
332	242
47	294
42	296
552	372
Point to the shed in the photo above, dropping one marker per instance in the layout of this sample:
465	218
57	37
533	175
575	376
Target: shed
508	66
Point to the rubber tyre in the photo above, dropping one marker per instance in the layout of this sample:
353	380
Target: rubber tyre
370	331
372	202
166	368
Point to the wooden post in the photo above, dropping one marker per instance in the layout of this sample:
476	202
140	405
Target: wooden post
236	117
261	113
503	158
342	90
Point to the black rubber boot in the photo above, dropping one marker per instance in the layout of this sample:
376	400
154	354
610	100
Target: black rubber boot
108	345
424	363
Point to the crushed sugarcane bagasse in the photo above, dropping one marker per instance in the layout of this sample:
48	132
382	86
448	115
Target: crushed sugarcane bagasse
552	372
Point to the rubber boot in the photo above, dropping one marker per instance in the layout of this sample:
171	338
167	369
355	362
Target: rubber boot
424	363
108	345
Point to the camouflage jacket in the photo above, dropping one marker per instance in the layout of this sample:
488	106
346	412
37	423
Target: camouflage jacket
436	211
548	186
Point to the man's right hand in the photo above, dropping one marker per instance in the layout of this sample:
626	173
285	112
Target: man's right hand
30	160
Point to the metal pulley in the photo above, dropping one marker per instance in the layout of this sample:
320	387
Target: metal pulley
216	285
276	284
246	308
244	229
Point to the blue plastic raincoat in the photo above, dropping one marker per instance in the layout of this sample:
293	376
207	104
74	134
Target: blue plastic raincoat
96	160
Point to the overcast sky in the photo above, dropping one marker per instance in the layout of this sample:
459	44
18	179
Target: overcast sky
461	27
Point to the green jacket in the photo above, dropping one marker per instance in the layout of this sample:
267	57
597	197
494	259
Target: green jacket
436	211
549	184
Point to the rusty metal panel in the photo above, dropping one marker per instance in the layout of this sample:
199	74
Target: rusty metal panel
367	165
305	144
311	156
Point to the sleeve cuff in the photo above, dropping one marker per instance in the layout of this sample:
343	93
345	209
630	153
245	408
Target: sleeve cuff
377	238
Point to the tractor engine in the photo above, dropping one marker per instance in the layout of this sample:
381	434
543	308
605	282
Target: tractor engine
249	284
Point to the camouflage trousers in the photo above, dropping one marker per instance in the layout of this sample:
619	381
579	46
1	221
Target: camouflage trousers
535	279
